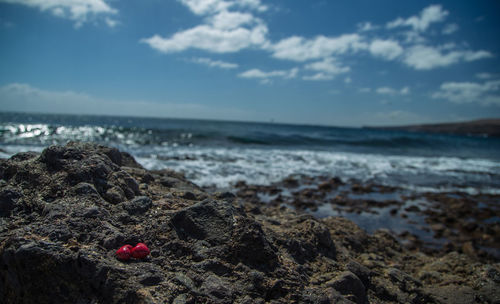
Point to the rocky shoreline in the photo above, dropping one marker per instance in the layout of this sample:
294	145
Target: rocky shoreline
64	213
432	222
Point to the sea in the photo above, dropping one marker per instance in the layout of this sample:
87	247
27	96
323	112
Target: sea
220	153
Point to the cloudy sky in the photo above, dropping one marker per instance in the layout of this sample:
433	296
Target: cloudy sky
347	63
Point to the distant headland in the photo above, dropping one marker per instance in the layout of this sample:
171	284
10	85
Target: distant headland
481	127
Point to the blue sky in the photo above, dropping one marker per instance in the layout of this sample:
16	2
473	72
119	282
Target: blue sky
346	63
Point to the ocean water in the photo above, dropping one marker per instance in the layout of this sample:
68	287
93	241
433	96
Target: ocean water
219	153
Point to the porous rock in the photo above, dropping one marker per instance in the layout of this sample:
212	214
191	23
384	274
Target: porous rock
66	211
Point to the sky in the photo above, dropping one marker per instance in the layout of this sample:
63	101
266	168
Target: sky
341	63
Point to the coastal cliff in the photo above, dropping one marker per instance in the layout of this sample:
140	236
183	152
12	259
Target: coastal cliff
481	127
64	212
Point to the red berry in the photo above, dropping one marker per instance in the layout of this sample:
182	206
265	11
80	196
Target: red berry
140	251
124	252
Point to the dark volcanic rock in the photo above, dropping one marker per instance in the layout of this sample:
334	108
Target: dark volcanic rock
8	200
347	283
64	213
138	205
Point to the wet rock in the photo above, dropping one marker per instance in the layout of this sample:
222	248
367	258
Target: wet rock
412	209
291	182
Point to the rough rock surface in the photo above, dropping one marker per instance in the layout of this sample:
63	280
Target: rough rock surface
64	212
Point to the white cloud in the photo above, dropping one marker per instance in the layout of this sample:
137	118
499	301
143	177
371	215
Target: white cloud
429	15
26	98
223	31
421	57
326	69
413	37
366	27
231	20
405	91
470	92
390	91
215	63
386	91
386	49
210	39
450	28
256	73
318	77
300	49
230	26
365	90
205	7
328	65
251	4
78	11
473	56
111	22
484	75
347	80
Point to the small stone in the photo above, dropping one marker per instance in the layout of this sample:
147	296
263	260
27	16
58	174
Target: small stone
412	209
184	280
113	241
138	205
216	287
452	294
493	273
8	200
169	182
468	249
114	195
180	299
362	272
85	189
189	196
150	279
228	196
347	283
91	212
147	178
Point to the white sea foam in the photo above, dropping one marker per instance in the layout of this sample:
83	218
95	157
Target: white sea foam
223	166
